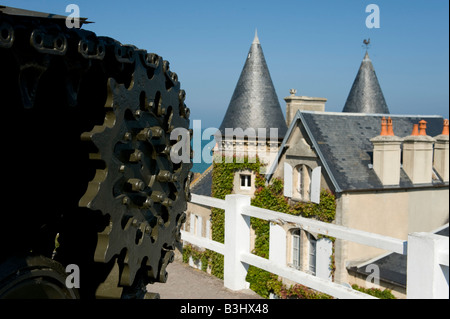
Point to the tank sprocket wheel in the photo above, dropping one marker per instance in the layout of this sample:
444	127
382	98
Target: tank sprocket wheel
141	190
58	83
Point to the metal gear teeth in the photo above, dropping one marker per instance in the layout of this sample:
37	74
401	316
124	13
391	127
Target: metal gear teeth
140	187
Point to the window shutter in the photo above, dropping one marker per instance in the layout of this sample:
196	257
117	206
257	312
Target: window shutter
315	185
312	254
192	224
287	180
208	229
199	226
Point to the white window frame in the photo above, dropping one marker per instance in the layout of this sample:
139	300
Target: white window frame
296	249
245	179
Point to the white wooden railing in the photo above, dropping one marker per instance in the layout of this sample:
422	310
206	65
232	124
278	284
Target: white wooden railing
428	254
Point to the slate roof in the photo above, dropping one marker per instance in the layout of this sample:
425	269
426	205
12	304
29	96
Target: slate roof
254	103
365	95
203	184
342	142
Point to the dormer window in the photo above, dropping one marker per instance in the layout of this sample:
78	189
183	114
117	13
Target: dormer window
302	180
302	183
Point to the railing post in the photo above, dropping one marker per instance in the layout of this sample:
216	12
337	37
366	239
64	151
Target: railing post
237	241
426	278
277	244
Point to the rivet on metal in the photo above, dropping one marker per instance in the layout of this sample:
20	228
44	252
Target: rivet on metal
136	156
136	184
126	200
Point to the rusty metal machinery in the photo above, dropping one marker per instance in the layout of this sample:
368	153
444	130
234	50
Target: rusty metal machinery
87	168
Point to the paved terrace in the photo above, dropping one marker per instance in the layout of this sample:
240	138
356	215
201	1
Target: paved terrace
185	282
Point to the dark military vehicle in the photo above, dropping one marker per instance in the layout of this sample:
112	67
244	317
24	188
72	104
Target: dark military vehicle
93	201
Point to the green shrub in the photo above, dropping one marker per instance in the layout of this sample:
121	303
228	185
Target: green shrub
381	294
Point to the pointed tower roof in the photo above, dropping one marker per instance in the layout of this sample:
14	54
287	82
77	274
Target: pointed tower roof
254	103
365	95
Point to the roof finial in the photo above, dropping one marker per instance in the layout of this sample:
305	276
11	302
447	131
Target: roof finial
256	39
367	45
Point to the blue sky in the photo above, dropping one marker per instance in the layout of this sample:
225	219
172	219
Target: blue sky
313	46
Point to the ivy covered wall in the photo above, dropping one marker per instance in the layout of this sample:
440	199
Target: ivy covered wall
269	197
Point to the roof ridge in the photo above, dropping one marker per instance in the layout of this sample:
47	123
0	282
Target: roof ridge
369	114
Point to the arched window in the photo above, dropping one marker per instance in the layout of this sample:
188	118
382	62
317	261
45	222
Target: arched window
303	251
302	182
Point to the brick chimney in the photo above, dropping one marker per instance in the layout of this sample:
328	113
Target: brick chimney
418	154
441	153
386	154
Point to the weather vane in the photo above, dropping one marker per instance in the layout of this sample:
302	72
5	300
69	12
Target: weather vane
367	43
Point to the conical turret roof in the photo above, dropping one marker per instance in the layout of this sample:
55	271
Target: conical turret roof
365	95
254	103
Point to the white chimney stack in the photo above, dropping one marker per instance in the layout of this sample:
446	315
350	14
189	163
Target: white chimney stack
387	154
418	155
441	153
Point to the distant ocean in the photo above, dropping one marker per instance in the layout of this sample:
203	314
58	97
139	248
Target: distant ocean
201	167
